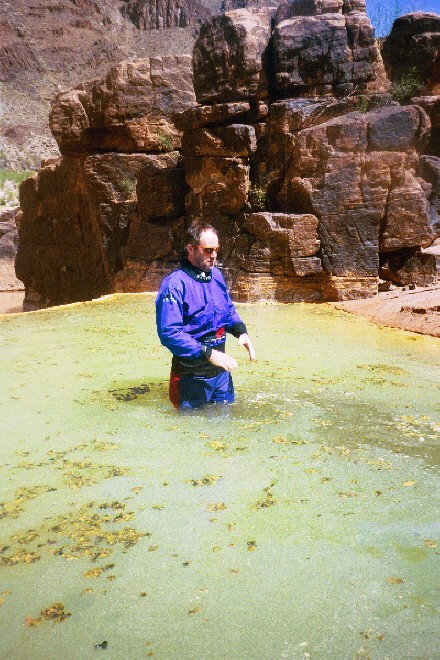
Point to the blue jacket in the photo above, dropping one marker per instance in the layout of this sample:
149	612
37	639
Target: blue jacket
194	310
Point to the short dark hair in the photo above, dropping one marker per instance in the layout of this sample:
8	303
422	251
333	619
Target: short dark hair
195	230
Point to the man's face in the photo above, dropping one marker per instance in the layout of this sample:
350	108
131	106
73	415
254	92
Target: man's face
196	254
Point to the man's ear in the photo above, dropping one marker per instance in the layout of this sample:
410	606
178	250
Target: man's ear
189	249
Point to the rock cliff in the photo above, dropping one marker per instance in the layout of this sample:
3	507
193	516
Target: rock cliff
288	142
52	45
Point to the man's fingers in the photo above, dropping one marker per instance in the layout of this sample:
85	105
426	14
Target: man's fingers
244	340
223	360
230	363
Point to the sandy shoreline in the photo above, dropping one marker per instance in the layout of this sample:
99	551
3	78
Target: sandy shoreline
11	302
416	311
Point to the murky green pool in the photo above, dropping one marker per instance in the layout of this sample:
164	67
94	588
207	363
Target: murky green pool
303	521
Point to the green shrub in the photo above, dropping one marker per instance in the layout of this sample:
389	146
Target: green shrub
7	174
128	186
363	103
407	86
257	198
9	182
165	141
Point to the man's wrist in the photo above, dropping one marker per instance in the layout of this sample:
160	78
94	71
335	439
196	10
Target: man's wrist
206	352
238	329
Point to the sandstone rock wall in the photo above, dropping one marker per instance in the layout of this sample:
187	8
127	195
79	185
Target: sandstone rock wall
411	55
128	111
414	43
294	151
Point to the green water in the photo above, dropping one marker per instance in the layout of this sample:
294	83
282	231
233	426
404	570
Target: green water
300	522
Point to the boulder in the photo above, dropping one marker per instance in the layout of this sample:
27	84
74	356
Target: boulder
323	54
129	111
414	45
229	57
398	128
295	114
409	266
276	139
407	222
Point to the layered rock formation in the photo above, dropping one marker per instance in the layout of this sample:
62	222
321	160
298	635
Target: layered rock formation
295	152
129	111
52	45
79	211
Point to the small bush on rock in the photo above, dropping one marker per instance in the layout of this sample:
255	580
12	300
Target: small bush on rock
165	141
257	199
406	87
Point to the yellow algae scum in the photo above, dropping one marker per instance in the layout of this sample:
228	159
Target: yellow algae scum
302	521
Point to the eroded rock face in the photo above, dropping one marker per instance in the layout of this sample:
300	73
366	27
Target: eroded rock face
217	186
199	116
414	43
313	196
291	241
324	54
431	105
366	198
288	10
76	218
229	57
156	230
129	111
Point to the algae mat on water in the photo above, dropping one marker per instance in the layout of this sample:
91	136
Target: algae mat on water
301	521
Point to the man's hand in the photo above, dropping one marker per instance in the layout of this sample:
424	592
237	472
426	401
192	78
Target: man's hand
223	360
244	340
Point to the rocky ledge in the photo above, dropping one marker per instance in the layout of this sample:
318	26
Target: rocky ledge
282	134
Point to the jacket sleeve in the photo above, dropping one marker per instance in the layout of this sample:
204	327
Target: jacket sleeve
170	327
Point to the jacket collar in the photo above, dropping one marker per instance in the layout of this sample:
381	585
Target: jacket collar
196	274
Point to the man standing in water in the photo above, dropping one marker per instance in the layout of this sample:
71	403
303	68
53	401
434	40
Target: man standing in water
193	314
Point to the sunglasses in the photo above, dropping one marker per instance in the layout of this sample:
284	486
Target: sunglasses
208	250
